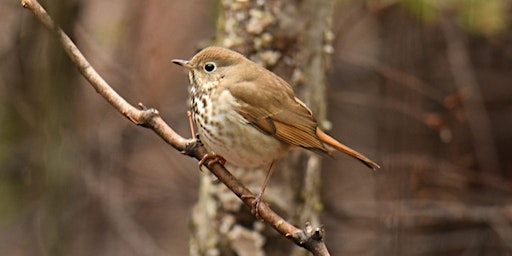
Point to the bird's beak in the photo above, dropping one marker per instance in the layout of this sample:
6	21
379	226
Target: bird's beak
183	63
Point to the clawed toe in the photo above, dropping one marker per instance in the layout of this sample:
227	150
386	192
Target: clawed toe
214	159
255	204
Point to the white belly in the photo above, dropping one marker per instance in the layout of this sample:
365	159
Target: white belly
228	134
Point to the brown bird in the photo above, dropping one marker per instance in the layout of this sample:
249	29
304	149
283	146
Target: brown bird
250	116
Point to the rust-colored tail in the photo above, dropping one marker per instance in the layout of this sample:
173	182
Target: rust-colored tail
337	145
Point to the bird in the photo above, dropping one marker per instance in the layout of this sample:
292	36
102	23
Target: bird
248	116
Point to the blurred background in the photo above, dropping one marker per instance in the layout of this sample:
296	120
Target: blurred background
423	87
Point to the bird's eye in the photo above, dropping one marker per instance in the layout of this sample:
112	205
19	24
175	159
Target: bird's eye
209	67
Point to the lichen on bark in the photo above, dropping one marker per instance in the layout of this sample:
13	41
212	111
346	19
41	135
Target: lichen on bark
291	38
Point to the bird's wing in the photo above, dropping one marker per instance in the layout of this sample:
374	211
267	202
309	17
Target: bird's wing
275	111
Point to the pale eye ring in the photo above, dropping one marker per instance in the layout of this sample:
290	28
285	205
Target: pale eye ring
209	67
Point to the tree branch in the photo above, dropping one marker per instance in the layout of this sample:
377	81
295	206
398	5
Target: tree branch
309	238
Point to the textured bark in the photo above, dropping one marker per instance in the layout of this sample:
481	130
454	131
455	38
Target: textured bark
293	39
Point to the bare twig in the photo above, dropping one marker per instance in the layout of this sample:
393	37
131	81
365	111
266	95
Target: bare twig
432	120
108	191
406	211
398	76
465	81
310	238
405	214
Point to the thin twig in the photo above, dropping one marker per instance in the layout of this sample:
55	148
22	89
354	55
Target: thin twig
398	76
465	81
406	212
310	238
108	191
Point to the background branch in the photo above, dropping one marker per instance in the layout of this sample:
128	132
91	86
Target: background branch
309	238
471	95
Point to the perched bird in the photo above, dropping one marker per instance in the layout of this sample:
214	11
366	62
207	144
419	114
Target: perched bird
249	116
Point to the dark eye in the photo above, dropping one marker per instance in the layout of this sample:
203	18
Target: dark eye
209	67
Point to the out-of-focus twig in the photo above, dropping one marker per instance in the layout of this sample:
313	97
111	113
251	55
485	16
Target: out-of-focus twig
398	76
405	213
108	190
465	81
432	120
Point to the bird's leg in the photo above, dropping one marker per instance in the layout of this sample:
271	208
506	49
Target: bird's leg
191	123
195	136
257	200
215	159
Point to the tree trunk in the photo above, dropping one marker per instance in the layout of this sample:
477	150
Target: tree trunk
293	39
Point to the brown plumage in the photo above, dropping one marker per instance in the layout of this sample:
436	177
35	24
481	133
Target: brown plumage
249	115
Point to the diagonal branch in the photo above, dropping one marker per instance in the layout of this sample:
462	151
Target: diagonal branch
310	238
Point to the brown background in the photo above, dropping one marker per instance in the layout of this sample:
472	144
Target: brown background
76	178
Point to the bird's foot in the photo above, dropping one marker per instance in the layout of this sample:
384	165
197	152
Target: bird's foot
214	159
255	204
